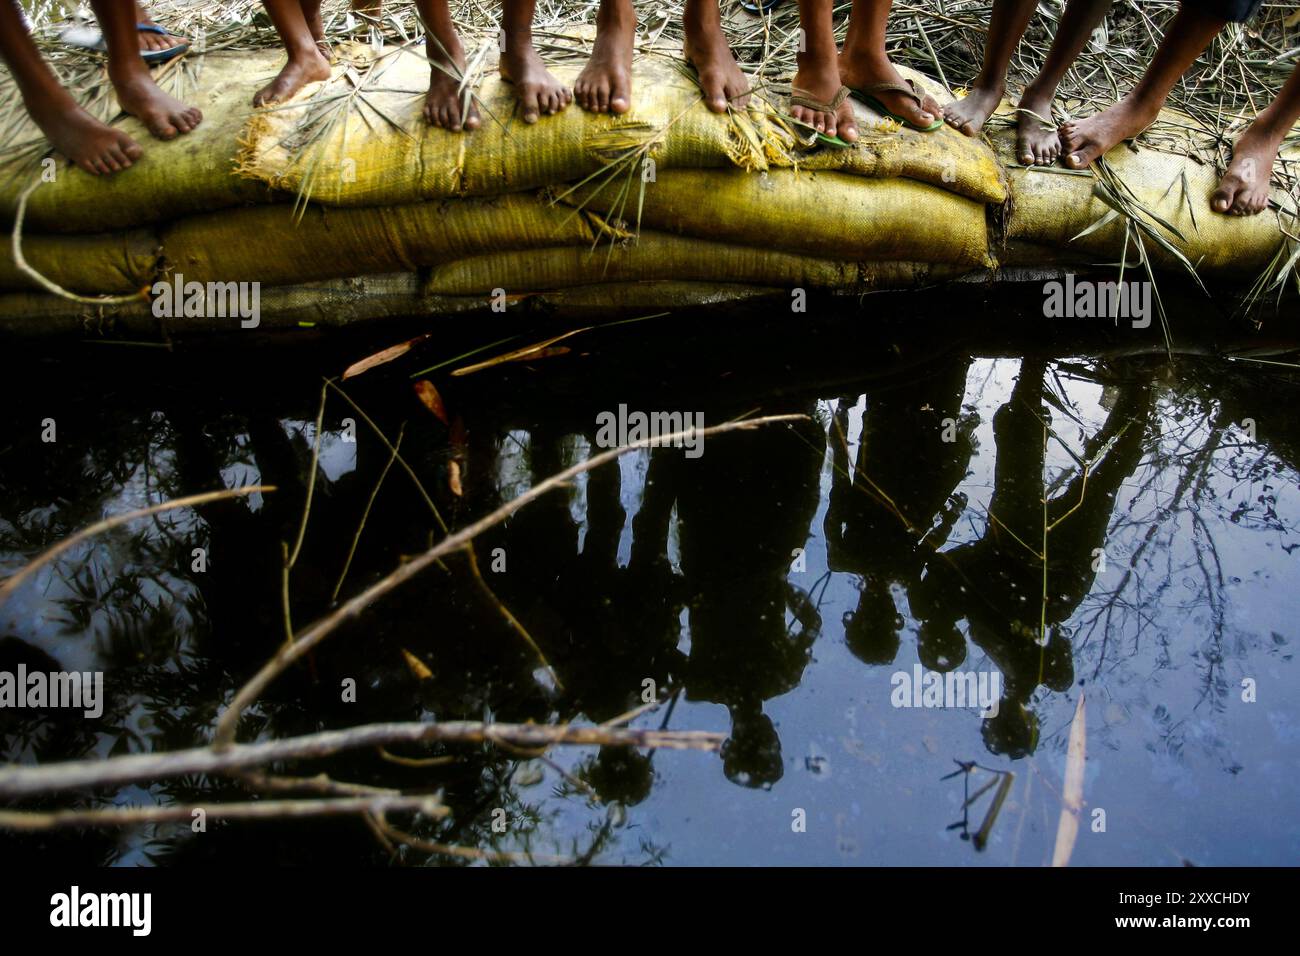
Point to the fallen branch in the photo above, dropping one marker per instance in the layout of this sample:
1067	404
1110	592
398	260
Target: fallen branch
259	810
99	527
308	639
27	781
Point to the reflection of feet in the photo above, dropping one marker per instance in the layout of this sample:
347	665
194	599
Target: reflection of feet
969	114
860	72
605	84
538	91
1037	141
1243	190
96	148
1089	139
302	68
165	116
721	78
821	82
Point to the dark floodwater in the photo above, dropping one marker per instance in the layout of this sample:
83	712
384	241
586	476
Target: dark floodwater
777	585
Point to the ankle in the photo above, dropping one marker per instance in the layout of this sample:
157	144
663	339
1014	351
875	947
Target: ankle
992	86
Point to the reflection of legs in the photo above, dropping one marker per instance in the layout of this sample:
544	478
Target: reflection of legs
1243	190
1037	141
1189	34
1006	27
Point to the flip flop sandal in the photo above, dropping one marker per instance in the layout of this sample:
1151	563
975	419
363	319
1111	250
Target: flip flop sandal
865	94
801	98
759	7
88	38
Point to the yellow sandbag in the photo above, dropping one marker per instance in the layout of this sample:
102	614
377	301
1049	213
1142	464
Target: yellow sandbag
656	256
369	145
818	214
108	263
1052	207
192	173
265	244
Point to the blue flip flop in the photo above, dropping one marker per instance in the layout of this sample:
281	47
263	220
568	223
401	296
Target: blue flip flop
88	38
759	7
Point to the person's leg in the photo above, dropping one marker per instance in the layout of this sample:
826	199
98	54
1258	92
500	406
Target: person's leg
605	84
864	62
539	92
92	145
443	103
1006	27
706	47
137	94
1243	190
306	62
818	74
148	39
315	25
1189	34
1037	141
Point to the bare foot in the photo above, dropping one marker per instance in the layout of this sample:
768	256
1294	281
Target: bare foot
821	82
605	83
1243	190
95	147
1088	139
150	41
1037	141
165	116
721	78
308	66
539	92
442	104
969	114
861	72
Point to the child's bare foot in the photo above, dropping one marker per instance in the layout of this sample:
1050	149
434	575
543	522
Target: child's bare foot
969	114
307	66
95	147
443	103
165	116
1037	141
821	82
861	71
1243	190
539	92
721	78
605	83
1087	140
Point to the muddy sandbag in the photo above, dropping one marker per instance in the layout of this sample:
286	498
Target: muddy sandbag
106	263
819	214
663	256
269	245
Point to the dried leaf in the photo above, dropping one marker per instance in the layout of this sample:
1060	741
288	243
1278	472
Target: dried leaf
416	665
430	399
453	478
382	357
538	350
1067	830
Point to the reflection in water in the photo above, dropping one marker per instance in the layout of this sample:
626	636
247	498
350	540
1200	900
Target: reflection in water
937	484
